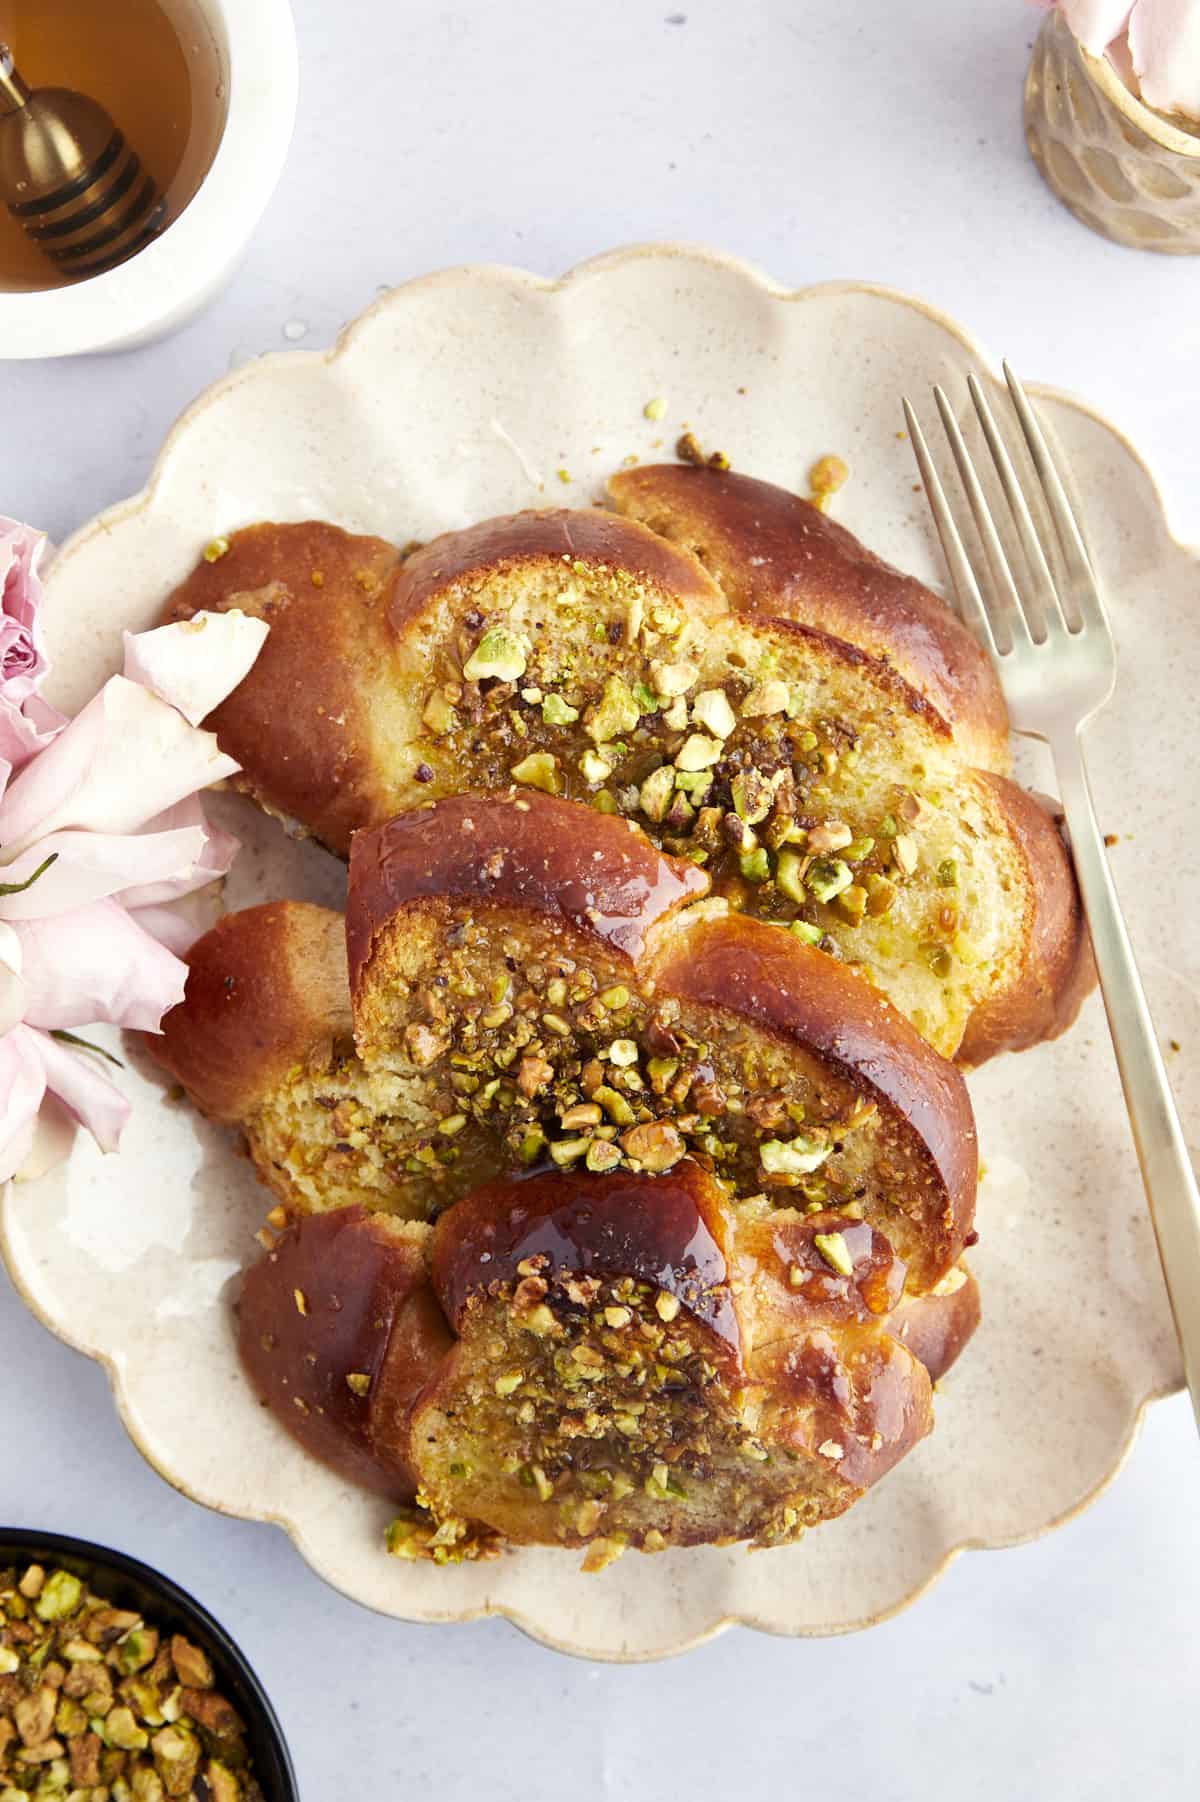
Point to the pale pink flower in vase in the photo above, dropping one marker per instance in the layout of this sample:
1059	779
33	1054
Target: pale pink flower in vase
1112	117
101	832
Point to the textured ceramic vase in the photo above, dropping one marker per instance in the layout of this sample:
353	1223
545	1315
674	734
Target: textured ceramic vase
1122	168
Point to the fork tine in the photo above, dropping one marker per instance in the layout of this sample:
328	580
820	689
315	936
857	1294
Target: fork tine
970	601
1053	619
1079	564
1007	607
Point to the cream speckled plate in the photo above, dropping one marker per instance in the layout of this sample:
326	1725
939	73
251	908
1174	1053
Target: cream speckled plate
463	395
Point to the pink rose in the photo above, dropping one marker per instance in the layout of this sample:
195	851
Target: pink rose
27	723
1163	42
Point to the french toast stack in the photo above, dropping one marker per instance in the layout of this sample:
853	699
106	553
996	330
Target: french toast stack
619	1125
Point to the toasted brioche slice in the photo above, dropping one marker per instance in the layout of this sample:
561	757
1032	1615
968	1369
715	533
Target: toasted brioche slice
544	972
583	655
627	1361
535	984
339	1330
777	556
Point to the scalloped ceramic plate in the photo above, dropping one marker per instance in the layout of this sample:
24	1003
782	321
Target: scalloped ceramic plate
463	395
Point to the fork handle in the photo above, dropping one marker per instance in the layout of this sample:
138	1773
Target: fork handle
1167	1172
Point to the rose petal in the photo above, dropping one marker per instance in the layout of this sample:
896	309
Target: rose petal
90	865
80	1084
23	661
22	1085
196	662
122	761
181	924
21	734
12	987
1096	22
97	964
214	858
1164	44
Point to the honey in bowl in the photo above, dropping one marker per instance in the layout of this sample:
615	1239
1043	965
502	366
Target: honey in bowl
152	65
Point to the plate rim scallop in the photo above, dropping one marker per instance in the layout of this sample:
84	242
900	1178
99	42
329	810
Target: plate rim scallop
343	347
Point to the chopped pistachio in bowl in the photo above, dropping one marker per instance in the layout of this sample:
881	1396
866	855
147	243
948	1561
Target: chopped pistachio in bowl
117	1686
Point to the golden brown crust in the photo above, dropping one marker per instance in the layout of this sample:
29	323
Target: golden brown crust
337	1333
531	853
266	990
936	1327
299	724
342	1336
672	1234
1057	973
759	973
777	556
472	557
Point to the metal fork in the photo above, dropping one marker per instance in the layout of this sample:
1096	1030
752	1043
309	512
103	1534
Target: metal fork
1054	652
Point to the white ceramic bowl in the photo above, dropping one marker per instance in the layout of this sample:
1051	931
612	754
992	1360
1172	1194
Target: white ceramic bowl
165	284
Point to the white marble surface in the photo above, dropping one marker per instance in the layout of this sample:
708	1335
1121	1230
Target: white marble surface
820	144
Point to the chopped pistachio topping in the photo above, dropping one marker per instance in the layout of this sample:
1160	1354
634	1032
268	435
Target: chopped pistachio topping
698	753
538	770
616	712
674	679
499	653
827	877
594	768
711	709
215	549
656	408
793	1157
835	1251
557	712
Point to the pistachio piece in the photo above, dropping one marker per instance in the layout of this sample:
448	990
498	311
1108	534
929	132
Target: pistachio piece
616	712
538	770
666	1306
680	813
674	679
852	902
951	1283
755	865
656	408
676	715
809	935
594	769
827	877
656	1146
59	1597
764	699
509	1382
905	853
881	895
753	796
439	714
711	709
623	1053
834	835
793	1157
557	712
947	872
499	653
789	876
699	753
601	1156
568	1151
657	791
835	1251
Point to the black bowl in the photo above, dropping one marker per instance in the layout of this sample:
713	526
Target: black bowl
127	1583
